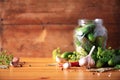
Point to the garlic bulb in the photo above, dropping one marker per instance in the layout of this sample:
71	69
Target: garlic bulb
87	60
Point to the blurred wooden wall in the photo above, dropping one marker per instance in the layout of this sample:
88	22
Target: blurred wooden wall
33	28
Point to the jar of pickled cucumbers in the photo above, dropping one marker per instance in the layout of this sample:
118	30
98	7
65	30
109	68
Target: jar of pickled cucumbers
89	33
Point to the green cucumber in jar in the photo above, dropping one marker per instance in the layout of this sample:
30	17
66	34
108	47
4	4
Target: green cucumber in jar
91	37
86	28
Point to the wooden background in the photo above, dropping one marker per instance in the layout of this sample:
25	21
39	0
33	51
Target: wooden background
33	28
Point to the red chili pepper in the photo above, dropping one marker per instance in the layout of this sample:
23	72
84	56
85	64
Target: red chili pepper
74	64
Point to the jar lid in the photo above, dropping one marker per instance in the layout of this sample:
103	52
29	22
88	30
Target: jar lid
98	21
84	21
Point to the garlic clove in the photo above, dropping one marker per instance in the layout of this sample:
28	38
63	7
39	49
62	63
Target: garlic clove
83	61
91	63
66	65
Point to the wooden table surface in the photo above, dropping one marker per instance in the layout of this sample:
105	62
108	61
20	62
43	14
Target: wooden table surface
43	69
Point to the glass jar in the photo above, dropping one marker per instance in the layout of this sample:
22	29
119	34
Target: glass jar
89	33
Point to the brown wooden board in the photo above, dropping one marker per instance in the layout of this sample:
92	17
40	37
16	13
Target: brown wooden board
35	41
58	11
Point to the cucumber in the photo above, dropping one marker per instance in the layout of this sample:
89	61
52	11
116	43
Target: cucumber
91	37
86	28
66	55
100	41
114	61
99	64
86	44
